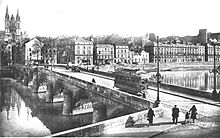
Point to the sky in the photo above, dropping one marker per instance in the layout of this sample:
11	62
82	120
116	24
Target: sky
124	17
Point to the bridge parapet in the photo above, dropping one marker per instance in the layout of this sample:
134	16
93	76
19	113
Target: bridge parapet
107	126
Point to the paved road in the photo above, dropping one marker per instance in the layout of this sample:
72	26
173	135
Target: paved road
209	114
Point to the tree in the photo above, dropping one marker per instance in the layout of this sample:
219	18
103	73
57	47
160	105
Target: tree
152	37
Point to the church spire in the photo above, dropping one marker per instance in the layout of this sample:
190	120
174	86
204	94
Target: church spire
6	14
17	16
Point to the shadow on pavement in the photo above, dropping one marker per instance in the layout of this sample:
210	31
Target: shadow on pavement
139	125
163	123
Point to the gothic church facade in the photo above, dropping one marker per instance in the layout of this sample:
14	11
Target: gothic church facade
12	27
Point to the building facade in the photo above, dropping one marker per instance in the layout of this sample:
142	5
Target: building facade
123	54
50	56
141	58
210	52
33	51
104	53
179	52
82	52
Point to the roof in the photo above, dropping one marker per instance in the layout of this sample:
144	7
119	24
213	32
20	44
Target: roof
104	45
82	40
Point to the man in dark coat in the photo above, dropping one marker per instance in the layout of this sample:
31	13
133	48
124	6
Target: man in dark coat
150	116
175	114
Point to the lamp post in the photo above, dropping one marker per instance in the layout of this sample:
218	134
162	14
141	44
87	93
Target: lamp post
214	71
87	57
157	102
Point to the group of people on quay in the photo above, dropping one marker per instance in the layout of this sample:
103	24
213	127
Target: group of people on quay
175	114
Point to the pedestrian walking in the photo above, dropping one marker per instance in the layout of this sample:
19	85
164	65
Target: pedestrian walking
187	117
193	111
175	114
150	116
144	95
93	80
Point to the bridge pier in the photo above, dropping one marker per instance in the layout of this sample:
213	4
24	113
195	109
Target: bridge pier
67	103
99	112
49	92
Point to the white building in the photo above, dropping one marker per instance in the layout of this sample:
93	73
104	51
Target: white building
105	53
123	54
141	58
33	51
83	52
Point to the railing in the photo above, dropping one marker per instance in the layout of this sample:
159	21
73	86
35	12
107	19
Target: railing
184	90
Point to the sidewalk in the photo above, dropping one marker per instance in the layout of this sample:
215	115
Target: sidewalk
142	129
187	96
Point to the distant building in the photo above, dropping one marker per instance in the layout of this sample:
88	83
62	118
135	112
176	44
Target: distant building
176	52
123	54
50	56
12	26
210	52
82	52
202	37
31	52
104	53
141	58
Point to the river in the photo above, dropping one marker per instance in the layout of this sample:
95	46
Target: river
25	114
199	80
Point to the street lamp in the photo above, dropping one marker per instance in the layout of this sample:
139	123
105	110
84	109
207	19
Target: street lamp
87	57
157	102
214	92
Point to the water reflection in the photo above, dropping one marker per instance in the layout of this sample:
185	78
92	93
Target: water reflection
200	80
22	115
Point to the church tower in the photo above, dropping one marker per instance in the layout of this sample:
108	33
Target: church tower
18	22
7	22
12	26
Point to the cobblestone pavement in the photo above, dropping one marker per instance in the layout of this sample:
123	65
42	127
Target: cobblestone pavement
206	127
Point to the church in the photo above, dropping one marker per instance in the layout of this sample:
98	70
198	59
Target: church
12	27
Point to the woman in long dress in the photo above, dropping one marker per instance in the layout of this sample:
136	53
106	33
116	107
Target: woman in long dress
193	111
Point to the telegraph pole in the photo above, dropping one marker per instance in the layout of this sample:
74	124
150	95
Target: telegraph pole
157	102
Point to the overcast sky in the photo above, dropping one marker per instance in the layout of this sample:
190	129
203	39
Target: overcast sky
125	17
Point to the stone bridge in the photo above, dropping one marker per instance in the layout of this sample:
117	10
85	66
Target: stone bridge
107	102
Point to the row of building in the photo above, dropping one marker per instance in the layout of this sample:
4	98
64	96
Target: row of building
83	51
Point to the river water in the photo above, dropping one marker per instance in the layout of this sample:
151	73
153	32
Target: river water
22	115
199	80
